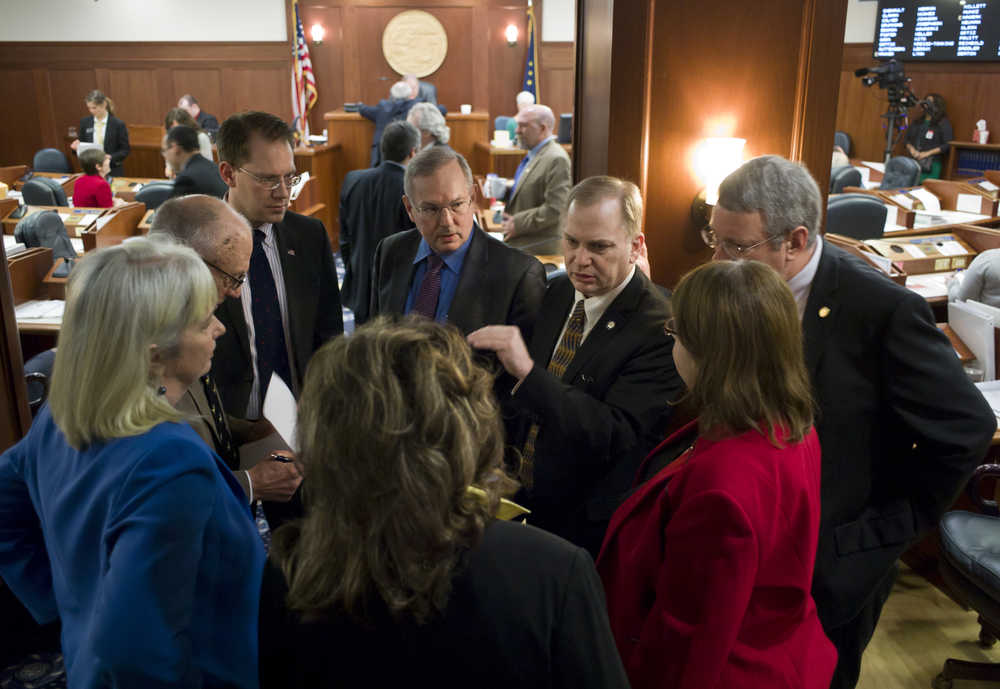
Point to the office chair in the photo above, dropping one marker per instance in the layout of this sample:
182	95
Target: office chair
970	545
43	191
843	139
856	215
155	193
565	134
37	371
427	91
51	160
900	172
45	229
501	122
845	176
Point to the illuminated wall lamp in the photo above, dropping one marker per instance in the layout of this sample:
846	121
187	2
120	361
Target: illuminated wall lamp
318	33
714	159
511	34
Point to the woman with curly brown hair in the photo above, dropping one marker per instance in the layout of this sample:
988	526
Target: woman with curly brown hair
400	572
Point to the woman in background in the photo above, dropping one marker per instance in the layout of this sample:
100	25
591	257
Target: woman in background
927	140
115	516
708	565
176	116
399	574
102	127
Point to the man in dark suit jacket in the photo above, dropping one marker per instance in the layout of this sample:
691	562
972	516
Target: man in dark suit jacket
371	209
900	425
289	304
592	390
447	268
193	174
208	123
396	107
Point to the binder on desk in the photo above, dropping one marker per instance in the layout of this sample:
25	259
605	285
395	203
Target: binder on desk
976	325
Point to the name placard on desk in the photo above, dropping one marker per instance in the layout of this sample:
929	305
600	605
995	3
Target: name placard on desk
928	254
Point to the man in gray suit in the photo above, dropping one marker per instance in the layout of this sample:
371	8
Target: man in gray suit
537	197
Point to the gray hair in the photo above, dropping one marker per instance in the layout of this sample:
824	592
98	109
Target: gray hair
542	113
195	221
428	118
429	161
595	189
782	191
122	301
400	91
524	98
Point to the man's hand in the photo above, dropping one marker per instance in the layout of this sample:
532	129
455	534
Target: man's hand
507	226
274	481
509	346
74	144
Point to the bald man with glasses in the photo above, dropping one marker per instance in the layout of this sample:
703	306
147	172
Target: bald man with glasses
447	269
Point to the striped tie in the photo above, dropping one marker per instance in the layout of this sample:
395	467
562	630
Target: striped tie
430	289
568	345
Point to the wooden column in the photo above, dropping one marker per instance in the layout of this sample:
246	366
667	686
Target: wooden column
14	415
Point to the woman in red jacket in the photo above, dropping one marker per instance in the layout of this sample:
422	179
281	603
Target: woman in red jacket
91	190
708	565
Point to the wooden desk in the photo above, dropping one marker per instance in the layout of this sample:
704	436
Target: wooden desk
501	160
77	219
966	159
11	173
325	164
126	188
354	133
27	278
116	226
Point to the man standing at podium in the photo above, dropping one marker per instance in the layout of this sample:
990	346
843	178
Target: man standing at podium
900	426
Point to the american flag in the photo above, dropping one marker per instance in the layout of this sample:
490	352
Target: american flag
304	94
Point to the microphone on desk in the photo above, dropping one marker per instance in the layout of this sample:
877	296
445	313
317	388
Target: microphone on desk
861	71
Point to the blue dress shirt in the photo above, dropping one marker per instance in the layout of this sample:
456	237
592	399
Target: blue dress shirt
527	159
450	272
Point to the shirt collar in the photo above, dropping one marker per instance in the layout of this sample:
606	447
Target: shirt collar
533	152
801	282
595	307
393	162
453	260
102	120
268	230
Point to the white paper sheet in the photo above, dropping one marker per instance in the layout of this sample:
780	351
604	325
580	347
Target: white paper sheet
991	391
64	217
929	285
969	203
903	200
976	331
77	244
913	250
951	248
40	310
930	201
865	173
987	185
874	166
927	219
891	217
280	410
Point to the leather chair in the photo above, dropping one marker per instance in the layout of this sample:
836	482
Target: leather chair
43	191
844	176
501	122
856	215
843	139
900	171
970	544
51	160
155	193
37	371
565	133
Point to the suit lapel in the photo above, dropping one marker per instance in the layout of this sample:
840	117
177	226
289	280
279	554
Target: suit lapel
530	169
554	313
473	291
821	308
236	321
296	287
399	283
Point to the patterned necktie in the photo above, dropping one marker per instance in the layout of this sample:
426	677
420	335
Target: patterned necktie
220	427
269	334
564	353
430	288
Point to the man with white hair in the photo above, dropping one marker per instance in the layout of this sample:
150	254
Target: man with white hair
395	107
541	184
431	124
524	99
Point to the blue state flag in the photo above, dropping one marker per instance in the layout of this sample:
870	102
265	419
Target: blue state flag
530	83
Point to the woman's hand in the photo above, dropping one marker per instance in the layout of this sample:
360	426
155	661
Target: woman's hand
73	144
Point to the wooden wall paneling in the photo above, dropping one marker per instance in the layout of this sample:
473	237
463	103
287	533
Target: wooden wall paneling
134	95
557	65
479	34
506	70
629	119
43	97
205	84
20	131
265	86
327	60
594	20
69	86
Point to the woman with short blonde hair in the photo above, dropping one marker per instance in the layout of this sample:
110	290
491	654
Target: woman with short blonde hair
708	565
115	516
399	573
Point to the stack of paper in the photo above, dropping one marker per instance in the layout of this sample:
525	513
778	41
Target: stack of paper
40	311
975	324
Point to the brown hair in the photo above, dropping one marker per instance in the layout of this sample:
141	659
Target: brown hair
739	322
91	160
600	187
179	116
395	423
98	98
233	139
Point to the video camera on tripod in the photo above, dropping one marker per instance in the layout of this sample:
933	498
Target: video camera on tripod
891	77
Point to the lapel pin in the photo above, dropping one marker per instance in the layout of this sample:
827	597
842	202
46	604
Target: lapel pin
291	252
824	311
610	325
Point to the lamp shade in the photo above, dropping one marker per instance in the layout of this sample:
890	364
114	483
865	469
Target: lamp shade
714	159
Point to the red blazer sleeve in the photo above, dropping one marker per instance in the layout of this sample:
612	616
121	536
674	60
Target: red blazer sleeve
103	192
703	589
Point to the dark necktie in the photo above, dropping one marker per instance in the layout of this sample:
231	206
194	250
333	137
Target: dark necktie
269	334
517	173
430	288
564	353
220	427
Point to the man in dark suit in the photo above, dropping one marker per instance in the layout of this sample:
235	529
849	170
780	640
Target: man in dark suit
900	425
591	392
390	109
447	269
289	303
371	209
193	174
207	122
222	238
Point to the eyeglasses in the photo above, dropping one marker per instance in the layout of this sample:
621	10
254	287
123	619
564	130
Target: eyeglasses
729	248
272	182
233	282
429	210
670	327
